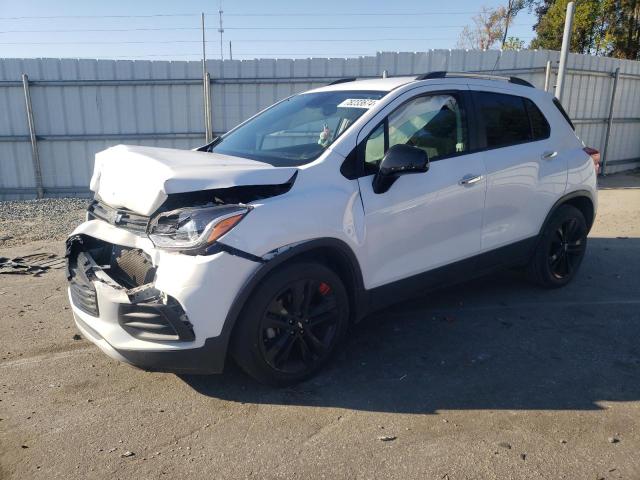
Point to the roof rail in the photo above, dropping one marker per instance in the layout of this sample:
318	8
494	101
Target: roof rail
343	80
486	76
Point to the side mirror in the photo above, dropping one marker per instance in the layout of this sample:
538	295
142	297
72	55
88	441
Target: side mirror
399	160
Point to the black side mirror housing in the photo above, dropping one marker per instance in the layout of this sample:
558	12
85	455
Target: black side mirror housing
399	160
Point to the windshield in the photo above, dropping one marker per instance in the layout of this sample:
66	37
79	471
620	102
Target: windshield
297	130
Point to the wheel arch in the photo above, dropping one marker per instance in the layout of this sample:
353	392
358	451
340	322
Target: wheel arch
332	252
580	199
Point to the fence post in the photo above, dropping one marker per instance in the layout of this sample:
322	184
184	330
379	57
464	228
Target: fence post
209	125
547	76
32	136
564	51
605	150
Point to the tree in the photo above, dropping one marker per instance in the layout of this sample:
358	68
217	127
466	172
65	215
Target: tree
487	29
623	34
490	26
585	37
513	43
601	27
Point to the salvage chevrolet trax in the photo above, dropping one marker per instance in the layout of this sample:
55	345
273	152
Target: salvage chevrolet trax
266	244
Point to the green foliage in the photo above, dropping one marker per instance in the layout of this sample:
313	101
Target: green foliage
513	43
601	27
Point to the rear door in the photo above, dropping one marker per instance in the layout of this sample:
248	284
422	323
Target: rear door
525	173
425	220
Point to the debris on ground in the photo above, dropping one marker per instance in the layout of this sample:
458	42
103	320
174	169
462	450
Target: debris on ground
613	440
77	337
505	445
21	221
127	454
35	264
387	438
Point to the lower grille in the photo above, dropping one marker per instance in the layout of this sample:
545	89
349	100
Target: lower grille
131	266
83	293
151	315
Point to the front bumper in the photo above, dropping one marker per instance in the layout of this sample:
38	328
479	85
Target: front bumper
175	322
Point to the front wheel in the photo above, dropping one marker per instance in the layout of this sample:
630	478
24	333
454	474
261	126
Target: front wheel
292	324
561	248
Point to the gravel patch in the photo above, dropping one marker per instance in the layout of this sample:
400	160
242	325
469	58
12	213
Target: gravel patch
23	221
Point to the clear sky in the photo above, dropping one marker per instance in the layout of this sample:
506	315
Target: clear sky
162	29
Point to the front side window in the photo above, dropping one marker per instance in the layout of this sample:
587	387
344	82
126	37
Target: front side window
505	119
297	130
433	123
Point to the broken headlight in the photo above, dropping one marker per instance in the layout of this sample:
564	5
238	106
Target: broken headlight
194	229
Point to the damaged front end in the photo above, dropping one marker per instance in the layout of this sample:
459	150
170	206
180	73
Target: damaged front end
125	275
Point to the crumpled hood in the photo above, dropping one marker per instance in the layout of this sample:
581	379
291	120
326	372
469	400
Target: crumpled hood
140	178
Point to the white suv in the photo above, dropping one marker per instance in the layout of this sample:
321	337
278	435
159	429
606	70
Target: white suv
269	242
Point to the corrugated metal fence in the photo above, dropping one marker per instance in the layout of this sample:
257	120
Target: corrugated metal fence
80	107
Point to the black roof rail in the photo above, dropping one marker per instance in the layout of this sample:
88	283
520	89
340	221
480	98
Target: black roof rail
445	74
343	80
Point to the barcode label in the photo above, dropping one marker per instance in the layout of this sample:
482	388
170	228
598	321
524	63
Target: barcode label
358	103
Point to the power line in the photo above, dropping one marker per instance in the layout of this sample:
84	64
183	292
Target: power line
158	29
265	14
167	42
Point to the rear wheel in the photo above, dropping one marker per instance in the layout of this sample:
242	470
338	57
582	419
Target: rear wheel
561	248
292	324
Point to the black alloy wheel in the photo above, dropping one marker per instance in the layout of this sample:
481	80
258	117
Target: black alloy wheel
567	248
299	326
560	249
291	324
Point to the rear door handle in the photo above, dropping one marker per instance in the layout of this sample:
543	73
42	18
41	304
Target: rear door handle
470	179
548	155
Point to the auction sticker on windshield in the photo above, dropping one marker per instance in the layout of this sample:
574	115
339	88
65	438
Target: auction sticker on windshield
358	103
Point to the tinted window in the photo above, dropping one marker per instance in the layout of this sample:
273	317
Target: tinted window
433	123
505	118
539	125
374	147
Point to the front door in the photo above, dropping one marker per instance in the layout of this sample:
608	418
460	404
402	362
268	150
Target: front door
425	220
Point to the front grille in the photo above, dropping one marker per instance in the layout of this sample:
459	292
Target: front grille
120	217
83	293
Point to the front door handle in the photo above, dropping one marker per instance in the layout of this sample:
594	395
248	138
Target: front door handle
470	179
548	155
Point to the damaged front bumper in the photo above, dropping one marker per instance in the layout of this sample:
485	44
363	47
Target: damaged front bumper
153	309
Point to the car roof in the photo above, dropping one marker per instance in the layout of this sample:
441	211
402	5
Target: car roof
373	84
391	83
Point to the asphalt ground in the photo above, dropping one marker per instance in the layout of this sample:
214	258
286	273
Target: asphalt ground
494	378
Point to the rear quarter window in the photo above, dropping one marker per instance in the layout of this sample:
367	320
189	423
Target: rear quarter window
539	126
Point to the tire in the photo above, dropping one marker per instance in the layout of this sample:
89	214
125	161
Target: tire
560	250
292	324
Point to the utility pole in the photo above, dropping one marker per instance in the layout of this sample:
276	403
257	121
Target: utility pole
221	30
205	87
564	51
230	51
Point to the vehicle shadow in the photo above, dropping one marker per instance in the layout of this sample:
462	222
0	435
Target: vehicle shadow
493	343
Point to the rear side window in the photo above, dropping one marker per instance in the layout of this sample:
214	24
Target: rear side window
505	119
539	126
